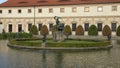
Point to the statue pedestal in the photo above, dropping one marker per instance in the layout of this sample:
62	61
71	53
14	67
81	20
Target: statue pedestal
58	36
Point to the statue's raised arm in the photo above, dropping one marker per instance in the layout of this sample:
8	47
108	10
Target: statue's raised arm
57	20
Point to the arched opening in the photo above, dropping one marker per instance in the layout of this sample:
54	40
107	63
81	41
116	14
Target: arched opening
100	25
74	25
19	27
113	26
86	26
10	27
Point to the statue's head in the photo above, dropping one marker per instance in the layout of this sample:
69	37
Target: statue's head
56	17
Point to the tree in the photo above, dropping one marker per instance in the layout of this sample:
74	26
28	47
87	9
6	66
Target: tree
34	30
106	30
67	31
93	30
79	30
44	30
118	31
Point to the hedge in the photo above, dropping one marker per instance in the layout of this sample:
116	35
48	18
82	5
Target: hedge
15	35
67	31
93	30
44	30
34	30
118	31
79	30
106	30
68	43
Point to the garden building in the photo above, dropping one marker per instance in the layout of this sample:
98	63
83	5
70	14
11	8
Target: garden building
20	15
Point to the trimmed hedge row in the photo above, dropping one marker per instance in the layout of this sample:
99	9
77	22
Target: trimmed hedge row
15	35
68	43
93	30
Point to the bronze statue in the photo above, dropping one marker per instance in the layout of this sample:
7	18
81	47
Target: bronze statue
59	25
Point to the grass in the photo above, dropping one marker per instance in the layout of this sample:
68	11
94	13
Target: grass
66	43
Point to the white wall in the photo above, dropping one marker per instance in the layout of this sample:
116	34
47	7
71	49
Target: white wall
68	11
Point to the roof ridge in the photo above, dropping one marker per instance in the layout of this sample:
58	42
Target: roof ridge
24	3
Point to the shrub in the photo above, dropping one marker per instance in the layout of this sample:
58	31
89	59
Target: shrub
15	35
44	30
34	30
93	30
79	30
118	31
106	30
4	35
67	31
54	28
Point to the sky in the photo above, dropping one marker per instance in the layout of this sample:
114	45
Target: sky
1	1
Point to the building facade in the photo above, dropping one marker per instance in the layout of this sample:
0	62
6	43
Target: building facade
16	16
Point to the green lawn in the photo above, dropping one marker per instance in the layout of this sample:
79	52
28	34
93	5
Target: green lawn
66	43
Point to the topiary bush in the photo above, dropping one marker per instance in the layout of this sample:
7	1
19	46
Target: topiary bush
93	30
118	31
34	30
79	30
67	31
54	29
106	31
44	30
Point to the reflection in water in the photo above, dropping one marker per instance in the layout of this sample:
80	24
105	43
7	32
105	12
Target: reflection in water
118	41
44	59
58	61
13	58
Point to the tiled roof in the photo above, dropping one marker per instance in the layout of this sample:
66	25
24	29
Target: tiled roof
22	3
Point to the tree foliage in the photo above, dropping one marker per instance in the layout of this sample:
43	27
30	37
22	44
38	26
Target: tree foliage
34	30
67	31
106	30
93	30
79	30
118	31
44	30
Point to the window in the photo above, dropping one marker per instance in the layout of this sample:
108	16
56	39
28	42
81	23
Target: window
86	25
29	26
29	10
10	28
86	9
99	25
113	26
50	26
100	9
19	11
39	10
114	8
50	10
73	26
62	10
19	27
0	11
74	9
39	26
9	11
